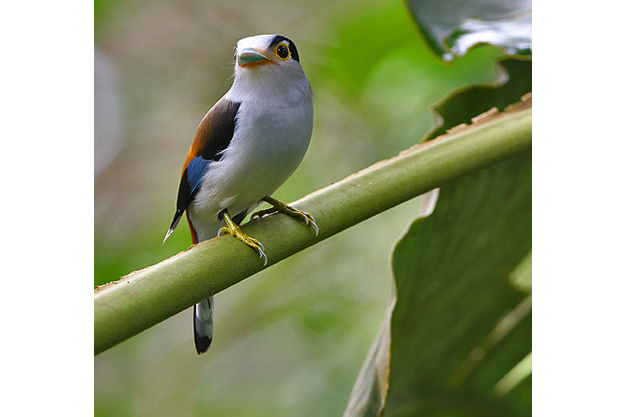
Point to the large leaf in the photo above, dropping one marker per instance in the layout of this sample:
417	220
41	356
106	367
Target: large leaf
460	332
459	326
459	341
453	27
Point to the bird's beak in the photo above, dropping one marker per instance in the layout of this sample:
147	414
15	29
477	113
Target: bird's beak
249	56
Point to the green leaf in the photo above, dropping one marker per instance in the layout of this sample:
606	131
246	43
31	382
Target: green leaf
453	27
479	200
459	327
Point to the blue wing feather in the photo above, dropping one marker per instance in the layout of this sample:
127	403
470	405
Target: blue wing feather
213	136
189	184
196	169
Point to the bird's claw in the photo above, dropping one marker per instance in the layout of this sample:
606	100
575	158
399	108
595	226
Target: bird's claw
248	240
280	207
233	228
307	219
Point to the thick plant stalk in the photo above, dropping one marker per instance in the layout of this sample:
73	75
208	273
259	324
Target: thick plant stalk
144	298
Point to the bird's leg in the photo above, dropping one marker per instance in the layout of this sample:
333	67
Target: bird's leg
280	207
233	229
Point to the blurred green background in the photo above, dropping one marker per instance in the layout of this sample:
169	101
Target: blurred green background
290	340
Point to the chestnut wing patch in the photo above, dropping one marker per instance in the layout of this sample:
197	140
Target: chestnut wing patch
212	138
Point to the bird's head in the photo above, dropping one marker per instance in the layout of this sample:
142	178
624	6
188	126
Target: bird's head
258	51
269	65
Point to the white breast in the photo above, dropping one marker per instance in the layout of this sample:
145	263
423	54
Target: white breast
268	145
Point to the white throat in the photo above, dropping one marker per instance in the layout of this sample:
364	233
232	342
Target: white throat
273	85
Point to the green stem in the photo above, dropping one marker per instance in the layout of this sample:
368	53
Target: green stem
144	298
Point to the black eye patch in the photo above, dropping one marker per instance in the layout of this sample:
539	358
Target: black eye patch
292	46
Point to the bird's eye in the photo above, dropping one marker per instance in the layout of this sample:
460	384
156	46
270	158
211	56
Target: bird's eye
282	52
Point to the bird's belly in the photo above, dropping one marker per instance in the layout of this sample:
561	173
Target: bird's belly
266	149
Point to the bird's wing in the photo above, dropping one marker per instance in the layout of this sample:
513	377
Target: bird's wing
212	138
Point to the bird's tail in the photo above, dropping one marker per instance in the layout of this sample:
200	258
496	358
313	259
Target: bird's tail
203	325
203	311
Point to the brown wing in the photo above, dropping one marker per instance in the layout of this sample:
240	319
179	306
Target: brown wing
212	137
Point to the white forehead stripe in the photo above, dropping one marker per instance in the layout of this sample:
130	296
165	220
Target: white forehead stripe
261	42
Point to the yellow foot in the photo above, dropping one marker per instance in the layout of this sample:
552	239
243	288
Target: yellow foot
279	206
233	229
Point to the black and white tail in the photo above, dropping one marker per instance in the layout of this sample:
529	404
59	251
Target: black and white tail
203	325
203	311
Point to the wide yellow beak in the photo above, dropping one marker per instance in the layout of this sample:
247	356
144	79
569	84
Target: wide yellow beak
249	56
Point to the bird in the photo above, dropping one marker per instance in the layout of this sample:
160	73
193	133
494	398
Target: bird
246	146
